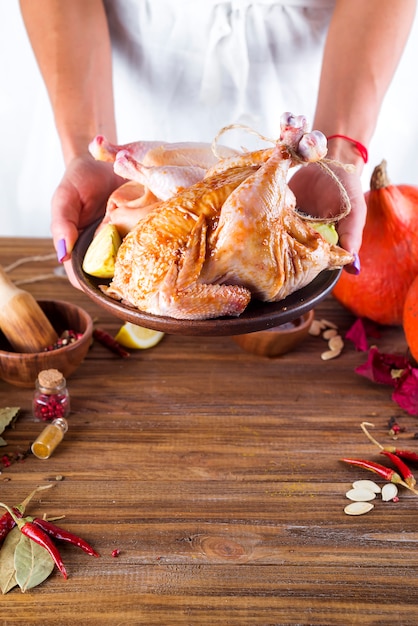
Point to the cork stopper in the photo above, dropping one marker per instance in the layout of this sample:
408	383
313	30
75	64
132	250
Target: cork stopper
50	379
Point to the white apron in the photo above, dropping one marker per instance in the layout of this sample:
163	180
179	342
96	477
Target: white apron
182	70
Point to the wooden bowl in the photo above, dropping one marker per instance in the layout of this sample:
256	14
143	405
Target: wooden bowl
22	369
278	340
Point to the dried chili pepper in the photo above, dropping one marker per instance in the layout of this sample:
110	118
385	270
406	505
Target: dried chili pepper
110	342
6	524
63	535
37	535
385	472
409	455
7	521
403	469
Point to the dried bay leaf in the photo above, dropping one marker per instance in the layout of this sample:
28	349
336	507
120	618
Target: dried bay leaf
7	414
7	560
33	564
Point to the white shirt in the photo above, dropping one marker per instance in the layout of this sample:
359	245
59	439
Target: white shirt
182	70
185	68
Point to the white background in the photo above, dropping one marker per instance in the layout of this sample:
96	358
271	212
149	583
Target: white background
31	163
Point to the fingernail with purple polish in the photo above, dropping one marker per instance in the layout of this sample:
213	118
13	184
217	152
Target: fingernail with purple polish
356	264
61	250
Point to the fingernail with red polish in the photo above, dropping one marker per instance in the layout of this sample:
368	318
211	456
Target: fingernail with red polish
61	250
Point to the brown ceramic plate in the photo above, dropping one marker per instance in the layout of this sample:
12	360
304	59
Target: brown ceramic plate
257	316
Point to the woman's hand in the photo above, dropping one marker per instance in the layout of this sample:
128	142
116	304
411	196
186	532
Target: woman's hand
318	194
79	200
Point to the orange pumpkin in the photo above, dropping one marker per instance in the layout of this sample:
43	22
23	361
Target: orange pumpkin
410	318
388	254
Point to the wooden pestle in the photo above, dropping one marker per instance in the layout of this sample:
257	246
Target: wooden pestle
22	320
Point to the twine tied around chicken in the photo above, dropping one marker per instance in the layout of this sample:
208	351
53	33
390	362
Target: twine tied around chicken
323	163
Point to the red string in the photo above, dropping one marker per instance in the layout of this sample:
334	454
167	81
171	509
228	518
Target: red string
360	147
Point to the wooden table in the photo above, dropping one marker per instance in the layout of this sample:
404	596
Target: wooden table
216	474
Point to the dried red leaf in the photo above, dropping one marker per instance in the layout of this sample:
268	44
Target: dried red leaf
372	329
396	371
383	368
357	334
406	391
360	331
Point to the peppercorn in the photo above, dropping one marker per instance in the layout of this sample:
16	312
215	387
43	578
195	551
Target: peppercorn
67	337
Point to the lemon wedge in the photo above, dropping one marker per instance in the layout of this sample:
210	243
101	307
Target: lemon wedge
327	231
137	337
100	256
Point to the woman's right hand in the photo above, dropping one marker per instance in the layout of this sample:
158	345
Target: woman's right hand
79	200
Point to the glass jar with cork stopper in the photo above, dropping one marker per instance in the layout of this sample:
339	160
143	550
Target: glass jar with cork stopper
50	438
51	399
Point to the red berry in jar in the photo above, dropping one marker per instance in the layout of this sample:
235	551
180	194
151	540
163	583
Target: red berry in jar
51	399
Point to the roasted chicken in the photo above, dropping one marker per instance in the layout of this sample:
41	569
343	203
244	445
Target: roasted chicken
232	236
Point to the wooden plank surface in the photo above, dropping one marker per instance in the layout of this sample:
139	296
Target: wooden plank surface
216	474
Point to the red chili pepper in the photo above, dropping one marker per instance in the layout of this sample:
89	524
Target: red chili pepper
37	535
404	470
404	454
42	539
7	521
110	342
385	472
6	524
63	535
409	455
